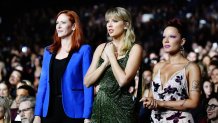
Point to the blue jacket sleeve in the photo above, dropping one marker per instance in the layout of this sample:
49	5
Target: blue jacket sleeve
42	87
88	92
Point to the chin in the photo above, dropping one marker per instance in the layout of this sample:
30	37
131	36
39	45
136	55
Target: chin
166	51
60	36
111	35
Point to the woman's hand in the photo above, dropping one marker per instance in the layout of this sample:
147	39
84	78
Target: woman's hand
110	50
37	119
106	60
87	121
96	88
148	102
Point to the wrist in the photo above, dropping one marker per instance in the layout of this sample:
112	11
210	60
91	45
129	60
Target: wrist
111	56
105	64
183	102
161	103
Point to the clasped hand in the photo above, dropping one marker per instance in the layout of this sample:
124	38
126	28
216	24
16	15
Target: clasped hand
110	50
109	53
149	102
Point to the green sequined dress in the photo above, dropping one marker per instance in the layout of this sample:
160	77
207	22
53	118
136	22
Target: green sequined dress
112	103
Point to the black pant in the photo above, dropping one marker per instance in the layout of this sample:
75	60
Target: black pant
56	114
144	114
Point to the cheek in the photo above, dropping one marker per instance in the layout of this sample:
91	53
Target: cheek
67	29
205	90
119	27
176	44
216	112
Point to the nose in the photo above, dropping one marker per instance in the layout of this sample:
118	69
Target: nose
58	26
165	40
21	114
109	24
209	109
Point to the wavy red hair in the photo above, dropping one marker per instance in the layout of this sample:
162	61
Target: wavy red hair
77	38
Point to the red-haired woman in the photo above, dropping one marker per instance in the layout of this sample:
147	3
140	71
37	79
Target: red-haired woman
61	96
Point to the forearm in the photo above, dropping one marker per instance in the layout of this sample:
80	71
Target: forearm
92	77
177	105
118	72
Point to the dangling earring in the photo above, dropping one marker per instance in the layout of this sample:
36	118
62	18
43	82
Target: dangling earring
182	48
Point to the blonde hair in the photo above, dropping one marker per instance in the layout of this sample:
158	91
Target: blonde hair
4	102
124	15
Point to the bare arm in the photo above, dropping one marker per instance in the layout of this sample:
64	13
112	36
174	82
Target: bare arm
124	76
94	72
193	79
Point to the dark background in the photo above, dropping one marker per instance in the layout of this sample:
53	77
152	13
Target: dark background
31	22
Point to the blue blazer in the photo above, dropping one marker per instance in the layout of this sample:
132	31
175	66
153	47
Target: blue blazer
77	100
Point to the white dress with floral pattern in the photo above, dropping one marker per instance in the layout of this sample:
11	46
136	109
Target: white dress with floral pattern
176	88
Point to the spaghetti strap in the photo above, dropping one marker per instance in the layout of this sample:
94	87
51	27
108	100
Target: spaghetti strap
104	48
187	64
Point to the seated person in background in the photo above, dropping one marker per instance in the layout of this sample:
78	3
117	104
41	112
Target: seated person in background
4	110
144	113
14	79
23	90
212	110
4	91
26	109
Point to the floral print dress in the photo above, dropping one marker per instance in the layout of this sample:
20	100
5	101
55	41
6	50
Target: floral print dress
176	88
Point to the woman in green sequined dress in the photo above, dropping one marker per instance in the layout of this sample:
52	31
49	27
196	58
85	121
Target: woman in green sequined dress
113	69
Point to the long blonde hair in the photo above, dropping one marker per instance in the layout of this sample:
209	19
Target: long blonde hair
123	14
4	102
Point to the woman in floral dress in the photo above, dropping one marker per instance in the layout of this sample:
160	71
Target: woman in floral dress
176	82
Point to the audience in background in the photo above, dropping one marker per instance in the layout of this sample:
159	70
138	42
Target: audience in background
4	111
212	110
21	91
214	79
26	109
22	34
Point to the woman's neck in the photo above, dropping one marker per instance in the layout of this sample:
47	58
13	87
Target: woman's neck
118	38
176	58
1	120
117	43
214	121
65	45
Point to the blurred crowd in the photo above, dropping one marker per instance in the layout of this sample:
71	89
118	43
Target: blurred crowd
23	36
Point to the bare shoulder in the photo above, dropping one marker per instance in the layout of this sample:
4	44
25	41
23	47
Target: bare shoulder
137	46
100	48
193	67
159	65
